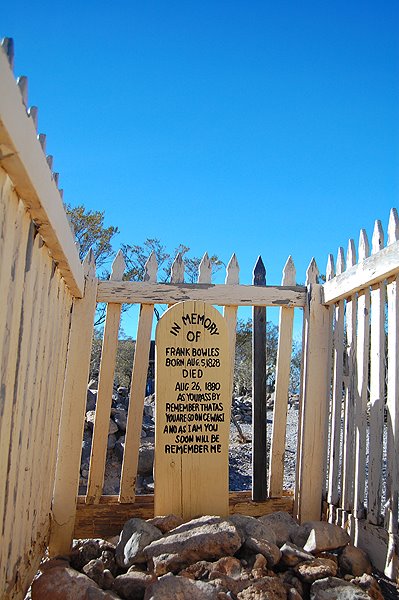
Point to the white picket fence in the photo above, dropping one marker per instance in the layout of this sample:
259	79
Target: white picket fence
349	423
362	483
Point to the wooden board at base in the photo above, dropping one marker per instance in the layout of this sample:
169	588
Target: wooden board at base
192	412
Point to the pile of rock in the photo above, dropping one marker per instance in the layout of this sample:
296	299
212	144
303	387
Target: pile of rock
116	442
240	455
211	558
242	406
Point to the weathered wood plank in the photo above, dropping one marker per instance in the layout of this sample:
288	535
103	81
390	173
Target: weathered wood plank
16	516
107	518
177	269
127	490
259	457
336	405
31	301
392	479
36	522
105	388
33	443
377	388
230	315
24	161
73	414
348	463
205	270
371	271
53	352
133	292
330	273
362	378
13	261
362	368
337	393
392	406
64	318
313	405
136	405
283	365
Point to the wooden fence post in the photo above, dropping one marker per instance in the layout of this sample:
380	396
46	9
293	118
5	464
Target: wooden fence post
283	366
313	407
73	414
259	458
105	388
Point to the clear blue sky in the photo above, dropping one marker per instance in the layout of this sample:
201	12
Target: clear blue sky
251	127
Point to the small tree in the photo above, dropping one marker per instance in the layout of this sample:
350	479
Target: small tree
90	233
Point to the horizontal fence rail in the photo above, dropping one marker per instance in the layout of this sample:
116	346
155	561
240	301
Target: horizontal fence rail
132	292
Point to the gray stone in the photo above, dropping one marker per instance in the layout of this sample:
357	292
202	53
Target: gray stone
120	418
354	561
228	565
318	536
108	559
318	568
170	587
146	459
267	588
120	447
269	550
333	588
86	447
258	537
132	585
108	580
166	523
291	555
63	583
368	584
149	406
111	442
91	400
282	524
206	538
85	550
95	570
135	536
254	528
113	427
90	418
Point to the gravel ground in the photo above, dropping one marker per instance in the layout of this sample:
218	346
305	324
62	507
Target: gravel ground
240	455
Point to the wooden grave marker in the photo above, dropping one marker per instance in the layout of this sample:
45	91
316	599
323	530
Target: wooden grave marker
192	412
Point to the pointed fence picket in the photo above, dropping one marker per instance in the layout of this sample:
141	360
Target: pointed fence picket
313	408
334	479
137	392
377	388
105	390
259	457
362	373
230	313
284	351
